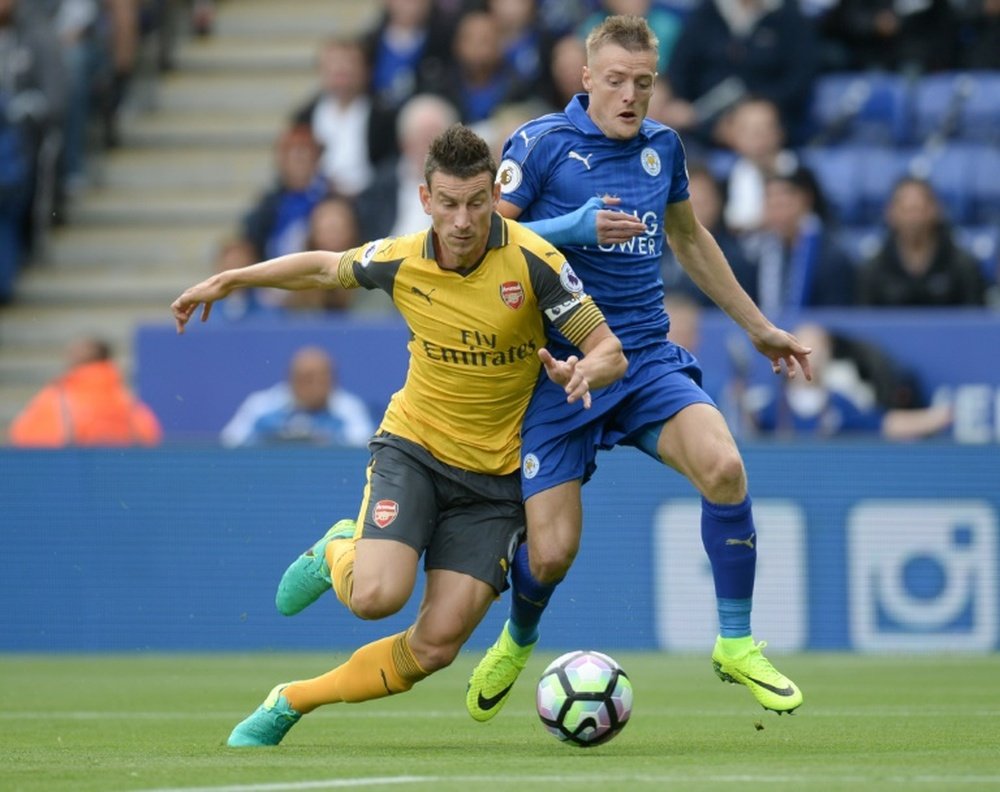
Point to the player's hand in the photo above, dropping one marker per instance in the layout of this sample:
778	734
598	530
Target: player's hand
204	293
566	373
615	226
594	224
785	352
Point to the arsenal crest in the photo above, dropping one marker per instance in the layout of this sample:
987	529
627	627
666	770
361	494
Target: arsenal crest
384	512
512	293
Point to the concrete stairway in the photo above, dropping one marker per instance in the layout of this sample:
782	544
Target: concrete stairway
196	152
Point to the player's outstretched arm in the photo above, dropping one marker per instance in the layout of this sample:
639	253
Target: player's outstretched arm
591	224
313	269
699	254
603	362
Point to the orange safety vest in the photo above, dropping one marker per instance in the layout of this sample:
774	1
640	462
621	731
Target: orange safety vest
87	406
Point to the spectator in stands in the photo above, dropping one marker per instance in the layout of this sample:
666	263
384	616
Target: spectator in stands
731	48
33	93
919	263
279	222
564	77
122	24
981	49
506	120
391	205
887	34
726	389
685	321
481	80
77	24
89	405
524	44
232	254
333	225
834	402
409	50
203	17
15	192
753	130
347	122
561	17
307	408
797	262
664	21
707	201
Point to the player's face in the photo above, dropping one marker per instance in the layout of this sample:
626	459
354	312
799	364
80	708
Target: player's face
461	211
620	84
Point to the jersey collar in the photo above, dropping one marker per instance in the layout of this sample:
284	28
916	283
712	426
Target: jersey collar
576	112
496	239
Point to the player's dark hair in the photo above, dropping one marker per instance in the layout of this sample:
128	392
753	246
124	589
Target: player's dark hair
631	33
459	152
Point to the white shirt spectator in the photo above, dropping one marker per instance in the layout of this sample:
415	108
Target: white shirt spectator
272	416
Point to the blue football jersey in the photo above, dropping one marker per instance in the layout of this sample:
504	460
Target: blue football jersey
551	165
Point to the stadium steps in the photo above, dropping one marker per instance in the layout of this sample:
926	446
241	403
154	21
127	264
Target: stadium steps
196	151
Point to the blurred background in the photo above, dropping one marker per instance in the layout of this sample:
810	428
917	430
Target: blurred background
846	155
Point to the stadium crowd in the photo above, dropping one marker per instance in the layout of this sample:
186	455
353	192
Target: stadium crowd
843	153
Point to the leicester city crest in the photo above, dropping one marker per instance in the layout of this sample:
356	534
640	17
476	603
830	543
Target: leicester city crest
650	161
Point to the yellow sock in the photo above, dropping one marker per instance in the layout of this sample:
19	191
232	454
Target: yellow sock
382	668
340	559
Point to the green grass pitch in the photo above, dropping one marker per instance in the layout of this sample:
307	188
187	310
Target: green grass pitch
159	722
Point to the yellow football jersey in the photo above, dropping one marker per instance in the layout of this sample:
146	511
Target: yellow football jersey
474	337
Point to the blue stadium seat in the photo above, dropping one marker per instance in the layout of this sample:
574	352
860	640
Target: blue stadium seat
860	242
950	172
981	112
983	242
985	186
879	169
838	170
720	162
960	105
866	107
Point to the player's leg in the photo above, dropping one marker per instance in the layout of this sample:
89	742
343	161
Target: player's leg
554	519
398	503
378	580
559	445
454	604
452	607
697	443
381	668
308	576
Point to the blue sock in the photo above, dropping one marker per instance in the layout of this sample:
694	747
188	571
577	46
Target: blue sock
730	539
528	600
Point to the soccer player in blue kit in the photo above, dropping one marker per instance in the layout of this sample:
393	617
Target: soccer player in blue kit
603	145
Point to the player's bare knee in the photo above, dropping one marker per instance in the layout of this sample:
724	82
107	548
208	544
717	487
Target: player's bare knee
726	480
434	655
551	567
373	602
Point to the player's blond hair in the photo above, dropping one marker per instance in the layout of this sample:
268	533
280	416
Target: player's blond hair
631	33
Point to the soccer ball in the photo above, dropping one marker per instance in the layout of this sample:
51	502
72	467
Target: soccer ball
584	698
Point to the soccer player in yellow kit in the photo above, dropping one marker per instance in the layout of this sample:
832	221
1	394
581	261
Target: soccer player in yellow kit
478	293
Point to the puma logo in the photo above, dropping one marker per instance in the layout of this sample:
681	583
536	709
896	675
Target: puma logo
524	135
748	542
585	160
426	296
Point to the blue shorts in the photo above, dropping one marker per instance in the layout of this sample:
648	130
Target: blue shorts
559	441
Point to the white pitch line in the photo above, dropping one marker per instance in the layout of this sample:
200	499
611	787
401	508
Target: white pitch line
589	780
875	711
292	786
